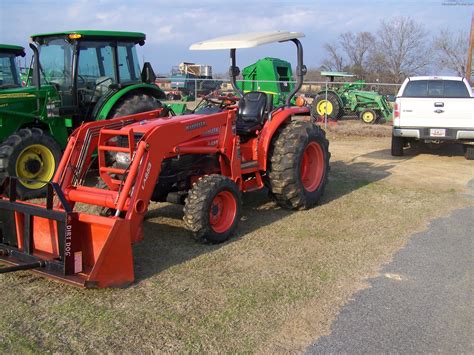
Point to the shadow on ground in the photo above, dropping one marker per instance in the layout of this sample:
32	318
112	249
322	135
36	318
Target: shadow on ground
443	150
167	243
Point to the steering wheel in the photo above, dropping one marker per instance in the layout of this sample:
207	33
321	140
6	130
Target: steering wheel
222	100
82	78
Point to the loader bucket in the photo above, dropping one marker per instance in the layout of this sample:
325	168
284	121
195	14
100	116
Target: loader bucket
74	247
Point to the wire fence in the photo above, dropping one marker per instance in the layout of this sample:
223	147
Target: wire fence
200	87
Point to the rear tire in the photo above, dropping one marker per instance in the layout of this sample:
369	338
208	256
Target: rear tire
135	103
30	154
397	146
299	165
212	209
332	106
469	152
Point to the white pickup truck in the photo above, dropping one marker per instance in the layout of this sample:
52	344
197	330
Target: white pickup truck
434	109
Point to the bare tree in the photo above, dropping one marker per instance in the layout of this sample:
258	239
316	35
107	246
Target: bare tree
451	51
401	49
335	60
357	47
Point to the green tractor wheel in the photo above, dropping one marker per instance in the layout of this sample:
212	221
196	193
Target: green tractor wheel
330	106
32	156
368	116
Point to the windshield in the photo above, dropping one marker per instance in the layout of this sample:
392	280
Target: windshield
9	76
56	62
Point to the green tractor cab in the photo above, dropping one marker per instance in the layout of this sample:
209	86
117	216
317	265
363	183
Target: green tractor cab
77	76
9	71
272	76
370	106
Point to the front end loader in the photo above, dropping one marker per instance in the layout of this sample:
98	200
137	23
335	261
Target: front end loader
203	161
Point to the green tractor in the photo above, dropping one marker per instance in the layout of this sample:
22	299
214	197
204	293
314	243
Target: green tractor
9	71
269	75
370	106
77	76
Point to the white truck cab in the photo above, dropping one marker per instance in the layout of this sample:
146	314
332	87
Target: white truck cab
434	109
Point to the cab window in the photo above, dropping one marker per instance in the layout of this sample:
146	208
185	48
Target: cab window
129	68
95	63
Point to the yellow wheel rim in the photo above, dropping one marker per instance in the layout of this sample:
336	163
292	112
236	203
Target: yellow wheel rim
368	117
324	107
35	162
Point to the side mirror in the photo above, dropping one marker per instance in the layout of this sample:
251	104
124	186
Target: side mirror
148	75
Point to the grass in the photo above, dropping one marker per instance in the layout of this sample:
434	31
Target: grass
273	288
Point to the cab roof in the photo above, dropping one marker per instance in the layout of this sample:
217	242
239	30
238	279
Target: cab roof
245	40
93	34
9	48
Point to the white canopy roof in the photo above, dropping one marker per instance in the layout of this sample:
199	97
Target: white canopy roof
245	40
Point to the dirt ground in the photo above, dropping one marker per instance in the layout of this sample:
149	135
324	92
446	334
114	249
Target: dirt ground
275	287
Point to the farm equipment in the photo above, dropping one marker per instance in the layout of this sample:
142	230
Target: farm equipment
270	75
370	106
201	160
9	71
190	79
77	76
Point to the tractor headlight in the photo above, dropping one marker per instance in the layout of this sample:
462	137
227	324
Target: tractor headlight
122	158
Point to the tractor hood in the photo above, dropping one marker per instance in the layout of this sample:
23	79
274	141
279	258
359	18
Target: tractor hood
15	95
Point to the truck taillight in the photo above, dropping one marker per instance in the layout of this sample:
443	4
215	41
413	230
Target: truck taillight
396	111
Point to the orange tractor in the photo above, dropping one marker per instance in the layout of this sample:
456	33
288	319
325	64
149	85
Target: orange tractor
202	160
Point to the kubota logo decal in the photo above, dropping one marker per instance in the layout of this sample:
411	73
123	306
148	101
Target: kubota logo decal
147	174
196	125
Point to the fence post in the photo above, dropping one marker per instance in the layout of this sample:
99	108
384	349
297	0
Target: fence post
326	107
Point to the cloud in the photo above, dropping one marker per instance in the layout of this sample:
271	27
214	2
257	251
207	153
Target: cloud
171	26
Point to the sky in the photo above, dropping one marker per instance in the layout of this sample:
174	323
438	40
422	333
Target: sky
171	26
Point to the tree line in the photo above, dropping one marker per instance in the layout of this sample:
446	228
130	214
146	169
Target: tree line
399	48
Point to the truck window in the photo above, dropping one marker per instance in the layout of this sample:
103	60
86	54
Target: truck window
436	89
416	88
455	89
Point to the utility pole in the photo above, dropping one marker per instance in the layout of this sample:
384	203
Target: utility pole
469	73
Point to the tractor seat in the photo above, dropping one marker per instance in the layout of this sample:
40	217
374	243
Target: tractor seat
251	112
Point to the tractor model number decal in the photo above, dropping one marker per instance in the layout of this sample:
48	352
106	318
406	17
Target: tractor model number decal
196	125
212	131
68	235
147	174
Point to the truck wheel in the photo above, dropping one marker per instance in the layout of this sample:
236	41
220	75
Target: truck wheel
397	146
368	116
469	152
331	106
32	156
212	208
135	103
299	165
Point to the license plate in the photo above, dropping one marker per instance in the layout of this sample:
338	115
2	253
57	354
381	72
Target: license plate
437	132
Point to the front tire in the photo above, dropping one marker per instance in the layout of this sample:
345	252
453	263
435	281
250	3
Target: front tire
299	165
368	116
32	156
212	209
